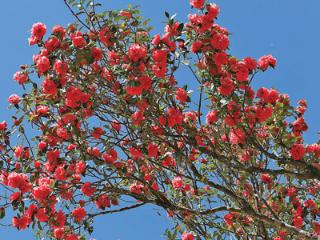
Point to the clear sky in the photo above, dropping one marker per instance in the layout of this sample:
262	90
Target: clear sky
288	29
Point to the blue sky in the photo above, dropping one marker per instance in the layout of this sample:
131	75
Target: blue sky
288	29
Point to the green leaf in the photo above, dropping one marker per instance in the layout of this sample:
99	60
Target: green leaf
39	226
146	22
2	212
180	28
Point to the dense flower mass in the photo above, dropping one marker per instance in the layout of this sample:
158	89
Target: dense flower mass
115	128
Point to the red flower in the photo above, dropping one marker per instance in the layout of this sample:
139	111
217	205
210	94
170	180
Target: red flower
78	40
134	90
14	99
219	41
116	125
220	58
20	77
237	136
159	55
136	188
299	126
211	117
177	183
41	193
316	227
105	35
3	125
298	221
43	64
52	44
60	173
96	53
273	96
110	157
136	153
59	220
103	201
168	161
181	95
155	186
79	214
159	70
59	31
250	63
126	14
144	84
174	117
263	113
49	86
213	10
137	118
297	151
87	189
156	39
97	132
80	167
38	30
226	87
197	4
53	156
42	110
187	236
58	233
60	67
21	222
72	237
32	209
266	178
20	181
265	61
196	46
75	97
62	133
137	52
15	196
94	151
41	215
228	219
242	72
152	150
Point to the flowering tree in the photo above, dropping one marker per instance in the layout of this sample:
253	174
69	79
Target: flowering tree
113	130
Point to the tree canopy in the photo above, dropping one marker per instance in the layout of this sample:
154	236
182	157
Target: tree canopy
113	130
